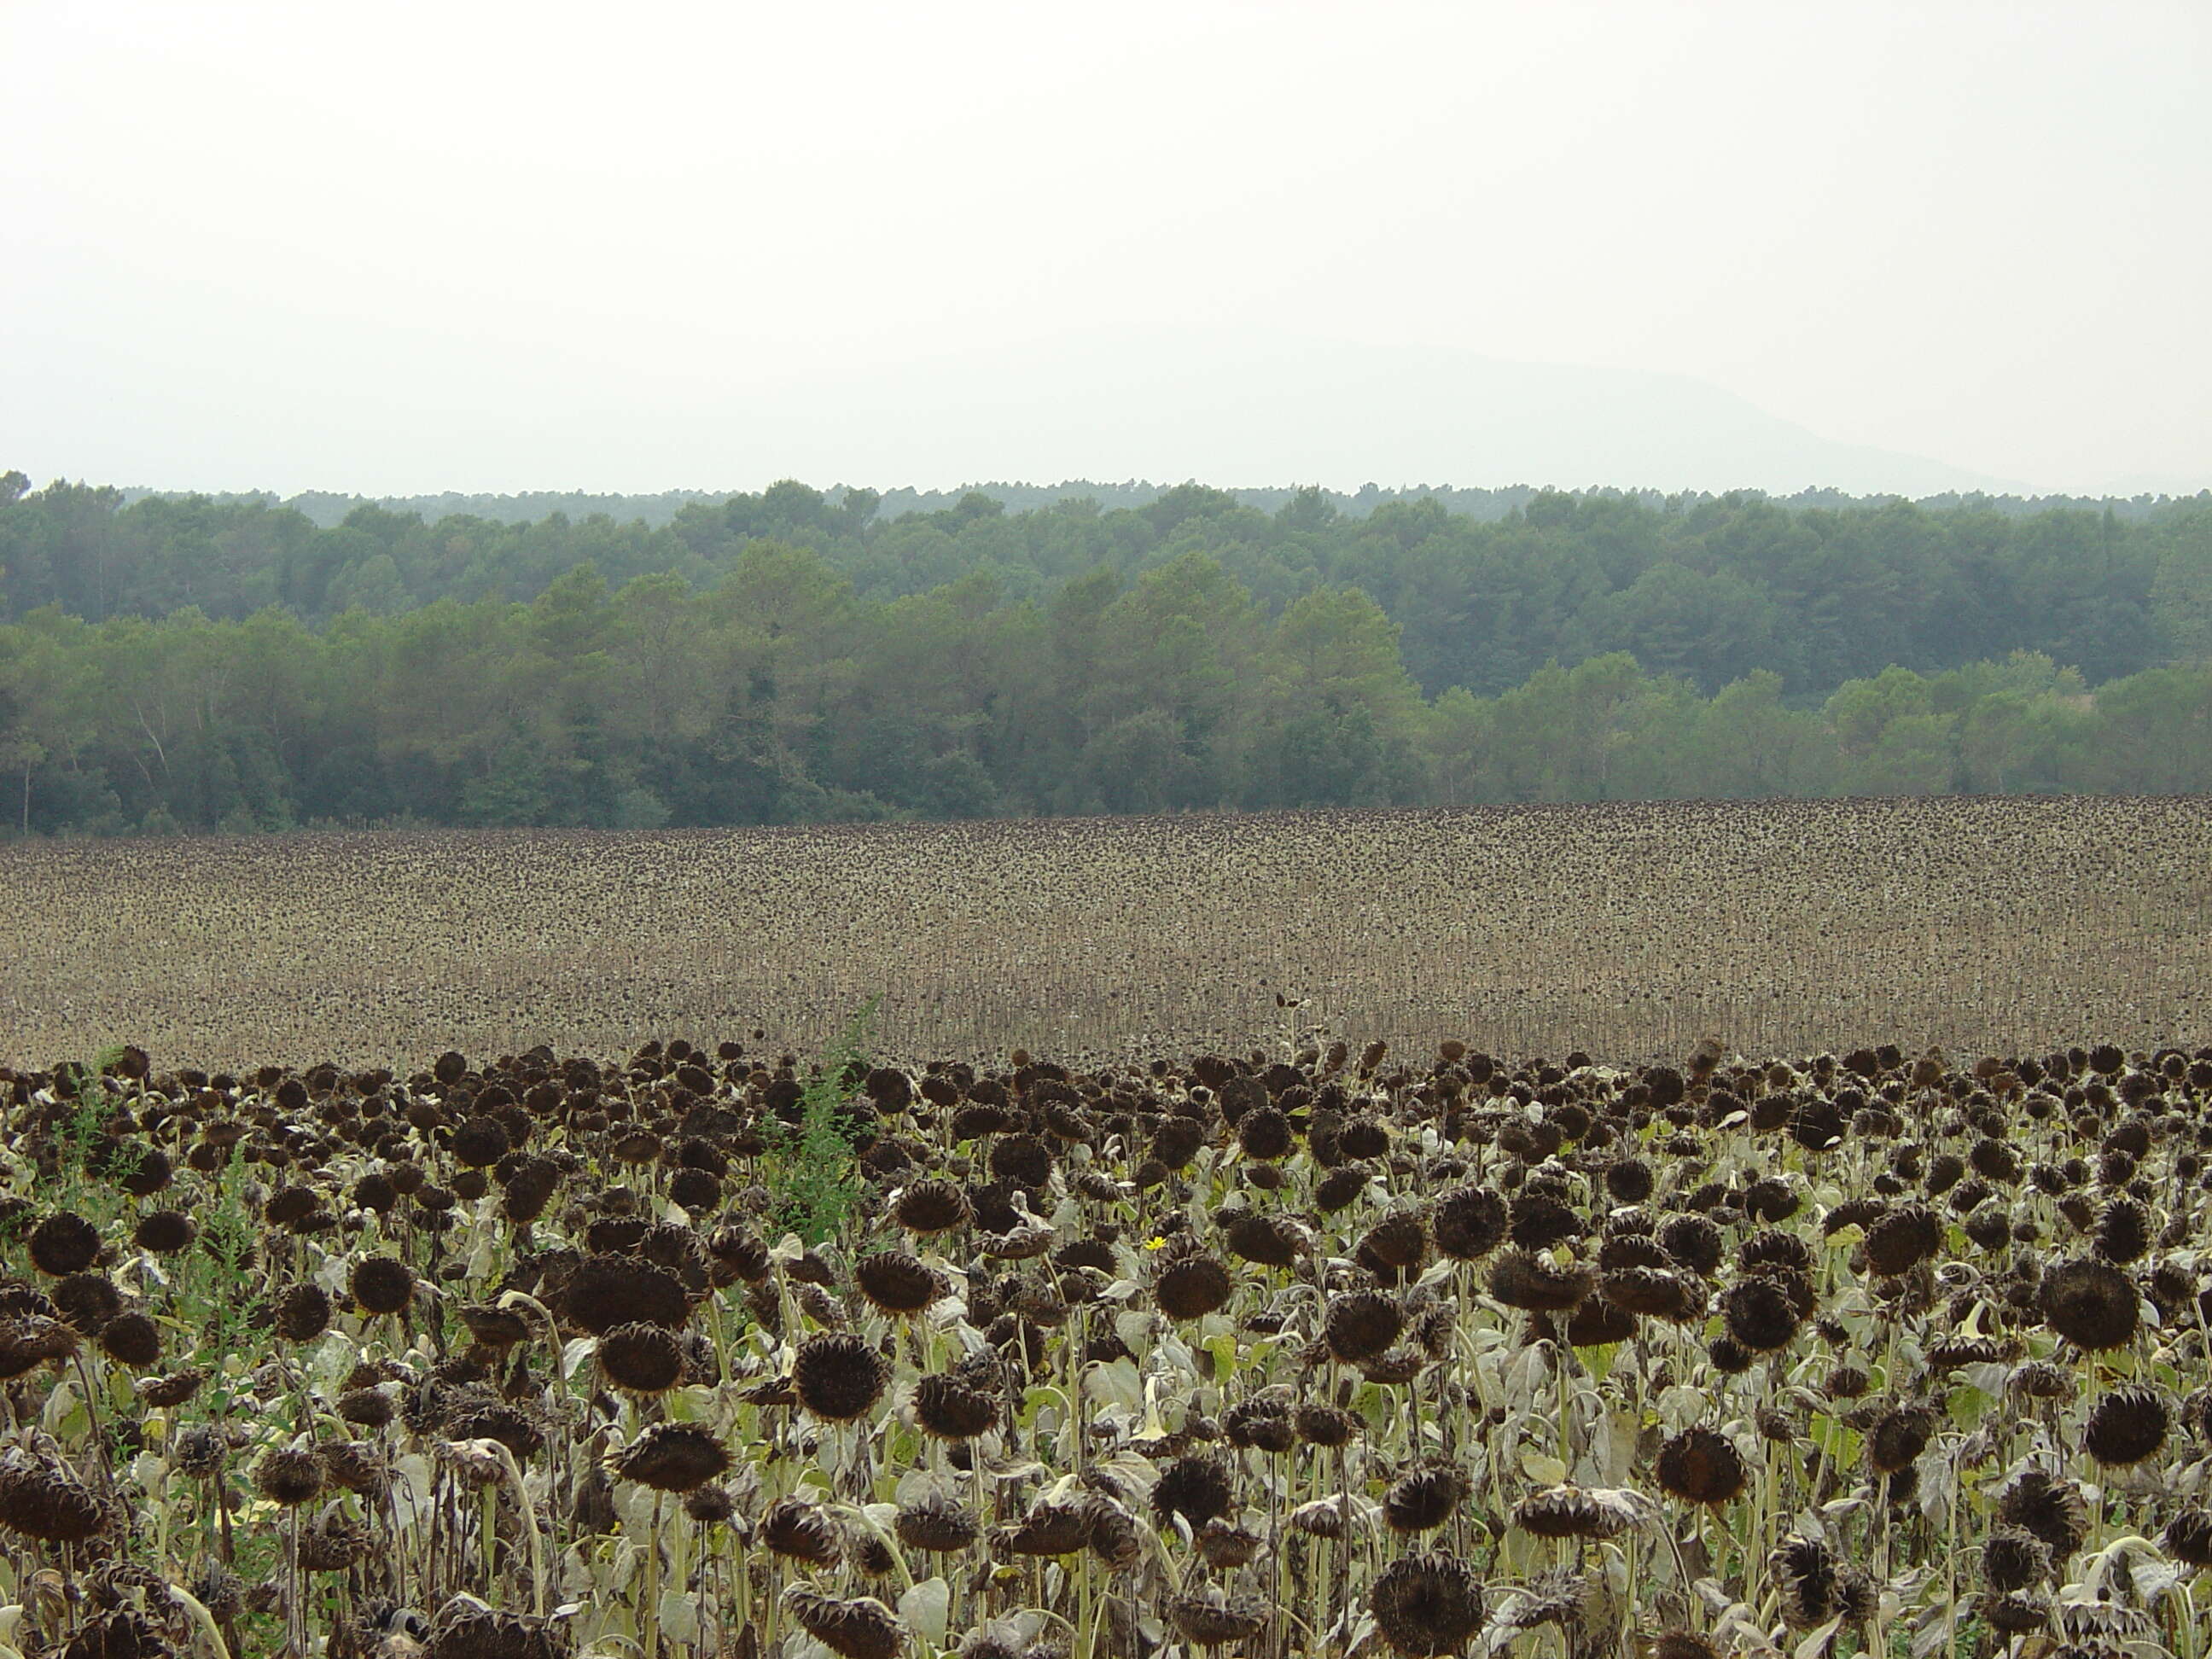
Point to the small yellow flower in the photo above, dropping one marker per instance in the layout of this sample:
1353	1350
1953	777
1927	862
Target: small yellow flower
1156	1242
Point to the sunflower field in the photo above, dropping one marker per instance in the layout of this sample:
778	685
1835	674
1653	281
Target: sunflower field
1312	1348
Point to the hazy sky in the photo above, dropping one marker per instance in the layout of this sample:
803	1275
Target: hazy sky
406	247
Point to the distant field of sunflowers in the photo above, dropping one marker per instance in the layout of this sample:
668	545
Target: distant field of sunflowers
1633	930
1314	1348
514	1246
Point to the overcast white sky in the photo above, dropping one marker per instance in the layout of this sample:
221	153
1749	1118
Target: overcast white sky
403	247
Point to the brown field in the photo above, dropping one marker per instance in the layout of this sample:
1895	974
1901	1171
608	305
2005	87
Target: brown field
1987	925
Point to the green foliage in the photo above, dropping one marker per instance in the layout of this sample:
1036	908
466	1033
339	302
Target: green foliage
79	1134
811	1169
215	1276
190	665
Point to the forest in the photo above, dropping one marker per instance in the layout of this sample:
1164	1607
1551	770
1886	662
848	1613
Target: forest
190	664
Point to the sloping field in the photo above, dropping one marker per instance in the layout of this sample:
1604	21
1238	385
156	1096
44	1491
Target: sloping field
1991	925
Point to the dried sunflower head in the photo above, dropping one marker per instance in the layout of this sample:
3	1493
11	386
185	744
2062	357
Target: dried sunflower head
219	1590
1394	1367
800	1531
1195	1487
86	1302
302	1312
165	1232
1561	1597
936	1525
710	1505
475	1412
1112	1534
1259	1425
368	1408
1900	1240
1524	1280
858	1628
604	1290
2090	1302
1265	1240
2040	1380
641	1359
2015	1559
1321	1517
382	1284
1694	1241
132	1340
897	1283
1427	1604
357	1466
1897	1437
1598	1322
2189	1537
1266	1134
332	1543
1572	1511
1701	1467
199	1451
63	1243
932	1207
41	1499
741	1254
672	1457
1425	1499
839	1376
1327	1426
1760	1314
2126	1425
1049	1528
30	1340
1651	1292
1818	1585
1191	1287
1212	1621
2048	1507
1396	1244
495	1327
466	1628
949	1407
289	1475
177	1388
1361	1325
2017	1613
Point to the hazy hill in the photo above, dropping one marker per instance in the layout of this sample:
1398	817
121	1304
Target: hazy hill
1235	409
1256	408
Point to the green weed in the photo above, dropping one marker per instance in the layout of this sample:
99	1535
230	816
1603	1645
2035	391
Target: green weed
810	1168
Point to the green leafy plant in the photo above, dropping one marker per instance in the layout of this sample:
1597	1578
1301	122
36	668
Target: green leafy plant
82	1128
217	1274
811	1168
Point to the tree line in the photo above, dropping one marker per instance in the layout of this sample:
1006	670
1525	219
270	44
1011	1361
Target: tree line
779	695
1708	588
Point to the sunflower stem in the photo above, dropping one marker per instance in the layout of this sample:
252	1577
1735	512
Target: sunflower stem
649	1612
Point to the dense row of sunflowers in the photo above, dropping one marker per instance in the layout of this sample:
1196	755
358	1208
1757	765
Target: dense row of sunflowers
1628	928
1316	1352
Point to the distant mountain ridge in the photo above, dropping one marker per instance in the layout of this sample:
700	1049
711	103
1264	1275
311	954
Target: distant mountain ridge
1255	411
1242	403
